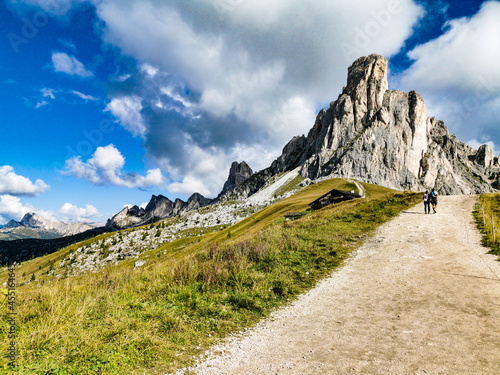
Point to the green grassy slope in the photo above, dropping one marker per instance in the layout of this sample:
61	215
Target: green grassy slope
490	203
191	292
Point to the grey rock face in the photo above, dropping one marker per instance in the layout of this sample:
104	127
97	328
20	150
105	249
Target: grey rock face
248	187
238	173
196	201
384	137
158	208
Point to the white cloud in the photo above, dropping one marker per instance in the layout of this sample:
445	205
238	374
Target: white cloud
188	185
12	208
106	166
259	70
458	75
13	184
65	63
150	70
466	55
74	213
247	50
48	93
173	94
127	110
84	96
41	104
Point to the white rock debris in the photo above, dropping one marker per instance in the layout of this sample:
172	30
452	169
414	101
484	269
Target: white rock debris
131	243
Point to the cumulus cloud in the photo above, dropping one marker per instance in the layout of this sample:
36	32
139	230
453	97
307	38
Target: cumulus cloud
13	184
252	77
127	109
65	63
106	166
74	213
227	78
457	74
12	208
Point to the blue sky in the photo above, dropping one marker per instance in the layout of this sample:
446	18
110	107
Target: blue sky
105	102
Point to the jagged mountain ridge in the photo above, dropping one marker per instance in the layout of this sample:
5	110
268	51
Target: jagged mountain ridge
383	137
160	207
33	225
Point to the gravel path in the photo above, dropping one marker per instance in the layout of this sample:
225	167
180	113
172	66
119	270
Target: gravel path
420	297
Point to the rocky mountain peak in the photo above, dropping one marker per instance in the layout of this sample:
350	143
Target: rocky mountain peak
157	202
32	220
238	173
33	225
158	208
384	137
12	224
366	86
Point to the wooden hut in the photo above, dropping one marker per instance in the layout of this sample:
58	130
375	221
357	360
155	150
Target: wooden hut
333	196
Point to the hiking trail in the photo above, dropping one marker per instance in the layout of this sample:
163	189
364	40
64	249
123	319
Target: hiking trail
419	297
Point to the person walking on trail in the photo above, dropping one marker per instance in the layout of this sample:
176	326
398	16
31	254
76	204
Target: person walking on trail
427	202
434	199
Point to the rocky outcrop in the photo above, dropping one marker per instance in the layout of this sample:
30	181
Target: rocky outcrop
238	173
248	187
384	137
196	201
12	224
158	208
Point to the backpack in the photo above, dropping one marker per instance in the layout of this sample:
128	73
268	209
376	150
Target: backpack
426	197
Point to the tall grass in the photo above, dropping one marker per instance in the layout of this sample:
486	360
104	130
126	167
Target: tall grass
158	317
491	205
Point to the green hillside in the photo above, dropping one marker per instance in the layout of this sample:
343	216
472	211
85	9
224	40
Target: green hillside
487	215
191	292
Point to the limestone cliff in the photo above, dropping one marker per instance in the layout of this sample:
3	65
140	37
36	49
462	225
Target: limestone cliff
384	137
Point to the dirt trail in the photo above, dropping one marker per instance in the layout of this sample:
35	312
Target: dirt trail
420	297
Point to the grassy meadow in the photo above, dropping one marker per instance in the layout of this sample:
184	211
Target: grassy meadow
491	205
190	293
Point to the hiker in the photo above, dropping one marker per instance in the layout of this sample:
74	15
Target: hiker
427	203
434	199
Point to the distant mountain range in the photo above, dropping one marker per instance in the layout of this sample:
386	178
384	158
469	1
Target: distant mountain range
160	207
33	225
